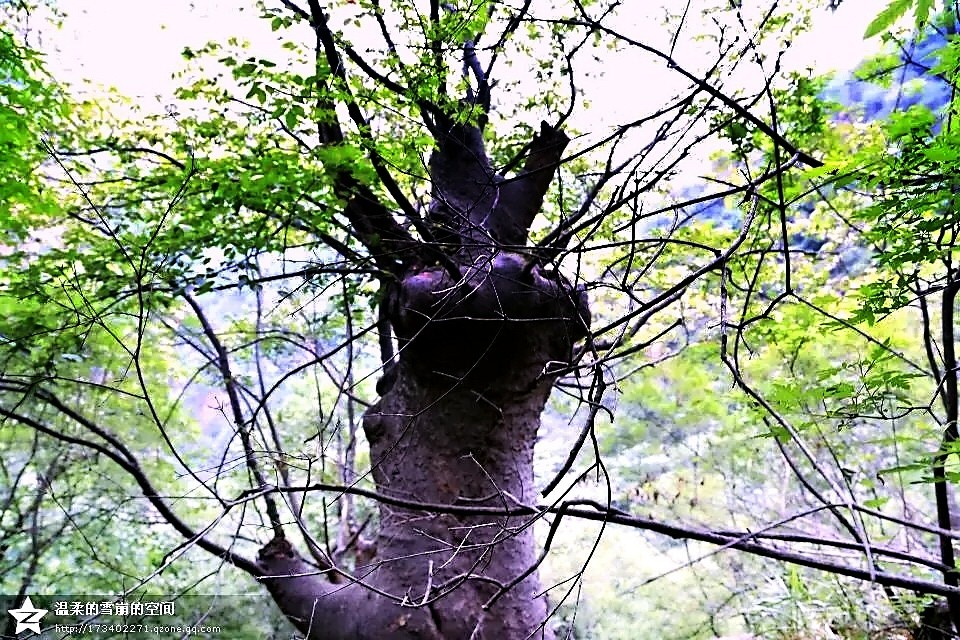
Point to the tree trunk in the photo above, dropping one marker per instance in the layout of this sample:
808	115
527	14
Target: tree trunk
480	332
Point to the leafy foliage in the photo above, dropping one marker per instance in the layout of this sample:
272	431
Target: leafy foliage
188	311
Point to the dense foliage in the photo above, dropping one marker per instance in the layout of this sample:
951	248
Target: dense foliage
761	423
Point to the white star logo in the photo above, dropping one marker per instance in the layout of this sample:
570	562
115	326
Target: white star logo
27	616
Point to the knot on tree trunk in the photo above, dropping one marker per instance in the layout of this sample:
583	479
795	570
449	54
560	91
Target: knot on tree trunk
499	295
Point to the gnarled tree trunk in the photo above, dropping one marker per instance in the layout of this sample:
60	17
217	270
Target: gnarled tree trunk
480	331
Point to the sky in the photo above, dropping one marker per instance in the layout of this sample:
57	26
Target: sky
135	45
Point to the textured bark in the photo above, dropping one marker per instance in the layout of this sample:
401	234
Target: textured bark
448	432
457	420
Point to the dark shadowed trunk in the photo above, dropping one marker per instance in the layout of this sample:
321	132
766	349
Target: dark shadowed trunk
480	329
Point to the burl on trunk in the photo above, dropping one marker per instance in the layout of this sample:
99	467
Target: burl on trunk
481	324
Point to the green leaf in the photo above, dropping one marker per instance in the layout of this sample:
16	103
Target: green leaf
876	503
922	12
885	19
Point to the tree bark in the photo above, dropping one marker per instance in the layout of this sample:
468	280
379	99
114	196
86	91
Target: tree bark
444	435
456	422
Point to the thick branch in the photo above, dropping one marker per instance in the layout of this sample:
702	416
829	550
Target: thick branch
522	197
941	486
322	610
745	541
373	223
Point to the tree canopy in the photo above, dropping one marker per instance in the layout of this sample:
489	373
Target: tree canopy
301	330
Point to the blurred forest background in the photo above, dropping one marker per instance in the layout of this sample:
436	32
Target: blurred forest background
757	437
